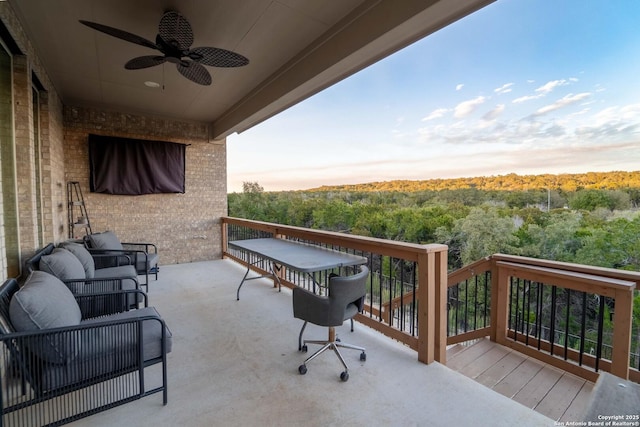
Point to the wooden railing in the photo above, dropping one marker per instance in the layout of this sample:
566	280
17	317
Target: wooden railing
518	302
397	268
610	291
530	304
469	302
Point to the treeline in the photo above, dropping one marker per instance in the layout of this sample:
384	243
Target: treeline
511	182
590	226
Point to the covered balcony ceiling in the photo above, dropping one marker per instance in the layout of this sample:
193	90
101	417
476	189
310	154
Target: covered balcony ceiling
296	48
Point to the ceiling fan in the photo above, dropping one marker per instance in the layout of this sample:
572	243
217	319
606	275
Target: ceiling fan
174	41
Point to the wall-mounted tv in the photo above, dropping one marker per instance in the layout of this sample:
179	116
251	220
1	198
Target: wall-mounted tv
135	166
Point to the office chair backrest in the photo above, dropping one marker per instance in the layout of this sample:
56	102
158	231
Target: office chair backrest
349	289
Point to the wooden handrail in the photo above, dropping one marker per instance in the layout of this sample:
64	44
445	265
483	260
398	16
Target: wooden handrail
632	276
590	283
431	262
433	281
469	271
594	280
404	250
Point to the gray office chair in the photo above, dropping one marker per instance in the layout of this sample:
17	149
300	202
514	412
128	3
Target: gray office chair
345	300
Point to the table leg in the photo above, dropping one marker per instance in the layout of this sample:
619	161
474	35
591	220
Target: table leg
241	283
276	279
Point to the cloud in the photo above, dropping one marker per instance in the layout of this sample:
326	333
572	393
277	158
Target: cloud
465	108
544	89
525	98
505	88
607	140
611	125
550	86
399	135
495	113
460	86
553	131
436	114
621	123
562	102
631	111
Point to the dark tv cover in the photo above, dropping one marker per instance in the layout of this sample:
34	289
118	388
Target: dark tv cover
135	166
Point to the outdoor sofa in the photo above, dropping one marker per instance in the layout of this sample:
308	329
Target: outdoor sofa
60	365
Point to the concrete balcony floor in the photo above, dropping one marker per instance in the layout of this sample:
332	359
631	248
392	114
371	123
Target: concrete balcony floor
236	363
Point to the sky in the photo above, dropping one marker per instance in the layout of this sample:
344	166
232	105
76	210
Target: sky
521	86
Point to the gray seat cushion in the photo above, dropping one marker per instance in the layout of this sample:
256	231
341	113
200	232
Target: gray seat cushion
151	261
44	302
151	334
127	272
109	350
83	256
62	264
106	240
120	271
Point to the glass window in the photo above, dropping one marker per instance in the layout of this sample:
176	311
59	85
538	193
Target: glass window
37	166
9	240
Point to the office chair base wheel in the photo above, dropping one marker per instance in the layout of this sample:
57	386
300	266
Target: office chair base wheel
363	356
344	376
302	369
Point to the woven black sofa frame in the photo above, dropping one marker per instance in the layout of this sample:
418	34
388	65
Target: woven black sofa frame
112	287
142	255
106	368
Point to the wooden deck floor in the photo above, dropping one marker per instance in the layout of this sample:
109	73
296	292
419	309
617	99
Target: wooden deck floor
559	395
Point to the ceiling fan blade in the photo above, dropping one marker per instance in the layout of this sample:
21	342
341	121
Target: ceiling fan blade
144	62
126	36
215	57
174	26
194	72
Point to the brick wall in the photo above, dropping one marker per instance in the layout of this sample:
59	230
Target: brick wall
27	66
52	169
186	227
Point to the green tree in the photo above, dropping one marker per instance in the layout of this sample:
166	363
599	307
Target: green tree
249	204
555	239
591	199
615	245
334	215
251	187
481	233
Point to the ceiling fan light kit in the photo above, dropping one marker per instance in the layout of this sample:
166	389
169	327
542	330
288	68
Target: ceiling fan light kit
174	41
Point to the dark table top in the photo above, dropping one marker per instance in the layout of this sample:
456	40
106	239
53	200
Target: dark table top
298	256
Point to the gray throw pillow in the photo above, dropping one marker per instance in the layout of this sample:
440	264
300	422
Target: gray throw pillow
83	256
63	264
106	240
45	302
